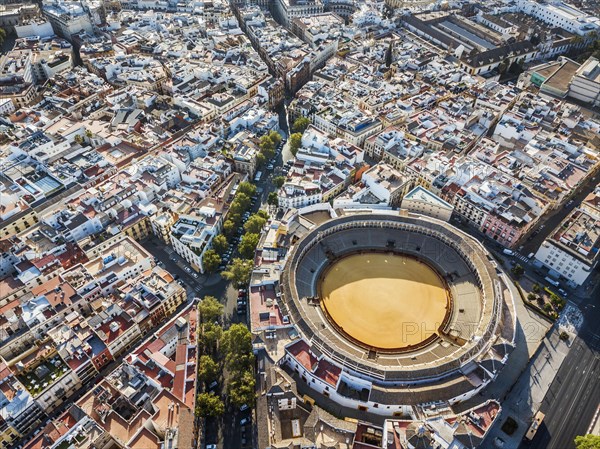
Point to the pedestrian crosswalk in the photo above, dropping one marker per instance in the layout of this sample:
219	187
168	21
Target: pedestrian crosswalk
521	257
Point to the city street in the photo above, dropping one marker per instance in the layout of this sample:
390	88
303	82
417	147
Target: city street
227	432
574	394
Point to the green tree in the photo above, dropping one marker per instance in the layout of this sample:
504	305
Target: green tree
240	204
300	124
209	309
531	296
209	405
210	335
272	199
2	35
262	213
208	369
255	224
229	227
268	154
587	442
220	244
278	181
517	271
275	137
239	272
247	189
266	144
295	142
536	288
78	139
236	344
241	389
211	260
248	245
260	160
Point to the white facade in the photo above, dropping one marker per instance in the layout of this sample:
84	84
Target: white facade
573	249
6	106
585	85
43	29
559	14
326	389
423	202
295	195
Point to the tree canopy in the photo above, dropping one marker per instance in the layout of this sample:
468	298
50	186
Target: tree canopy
239	272
300	124
295	142
246	188
236	343
211	261
209	405
587	442
209	309
241	389
220	244
272	199
248	245
208	369
255	224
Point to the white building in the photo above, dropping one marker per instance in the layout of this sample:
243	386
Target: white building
192	235
421	201
585	85
299	194
559	14
286	10
387	183
573	249
68	17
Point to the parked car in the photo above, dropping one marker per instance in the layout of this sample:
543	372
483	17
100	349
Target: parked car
244	407
552	281
244	421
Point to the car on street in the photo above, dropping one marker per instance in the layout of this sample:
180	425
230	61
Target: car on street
195	275
244	421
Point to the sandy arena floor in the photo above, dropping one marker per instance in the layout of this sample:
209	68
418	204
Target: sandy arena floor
384	301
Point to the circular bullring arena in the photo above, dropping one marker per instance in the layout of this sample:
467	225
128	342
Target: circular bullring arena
399	300
379	299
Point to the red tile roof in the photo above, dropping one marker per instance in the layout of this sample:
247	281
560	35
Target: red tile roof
301	352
